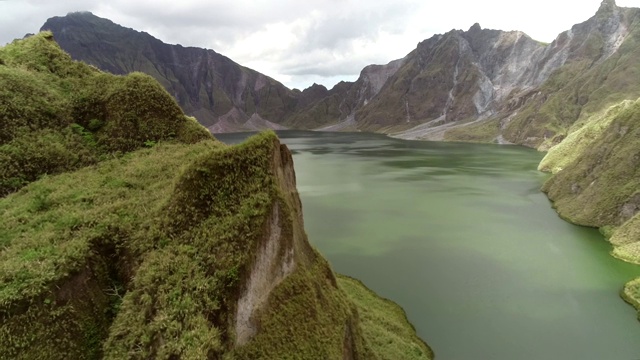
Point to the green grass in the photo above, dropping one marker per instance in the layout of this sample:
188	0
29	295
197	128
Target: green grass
60	115
384	324
50	225
626	240
631	294
593	188
579	140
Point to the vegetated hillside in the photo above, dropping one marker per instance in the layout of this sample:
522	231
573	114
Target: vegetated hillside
181	248
221	94
596	180
57	114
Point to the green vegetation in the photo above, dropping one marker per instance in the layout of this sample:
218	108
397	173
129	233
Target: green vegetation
626	240
60	115
593	189
127	231
160	263
485	132
631	294
597	180
67	247
580	139
384	324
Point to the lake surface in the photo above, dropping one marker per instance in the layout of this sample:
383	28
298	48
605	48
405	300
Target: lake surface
460	236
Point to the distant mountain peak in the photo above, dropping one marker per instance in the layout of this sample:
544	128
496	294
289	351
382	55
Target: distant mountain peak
608	3
82	12
607	6
475	27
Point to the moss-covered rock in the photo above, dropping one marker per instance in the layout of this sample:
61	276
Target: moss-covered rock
384	324
179	252
58	114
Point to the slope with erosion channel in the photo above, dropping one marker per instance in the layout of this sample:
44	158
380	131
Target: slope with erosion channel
184	249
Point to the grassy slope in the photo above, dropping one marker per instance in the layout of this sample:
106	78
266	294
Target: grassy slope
144	255
59	115
597	179
67	252
384	323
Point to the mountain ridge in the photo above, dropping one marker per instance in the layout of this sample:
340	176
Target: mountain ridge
222	94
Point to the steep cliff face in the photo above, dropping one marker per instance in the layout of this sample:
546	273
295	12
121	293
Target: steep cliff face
210	262
451	78
489	85
221	94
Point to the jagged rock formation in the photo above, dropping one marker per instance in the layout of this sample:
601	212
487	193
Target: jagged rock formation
172	246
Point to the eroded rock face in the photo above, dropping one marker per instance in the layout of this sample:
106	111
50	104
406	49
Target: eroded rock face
279	253
274	261
630	208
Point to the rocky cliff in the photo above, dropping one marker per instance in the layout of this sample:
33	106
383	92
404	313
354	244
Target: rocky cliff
170	245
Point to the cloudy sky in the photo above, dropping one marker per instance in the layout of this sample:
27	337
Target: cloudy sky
299	42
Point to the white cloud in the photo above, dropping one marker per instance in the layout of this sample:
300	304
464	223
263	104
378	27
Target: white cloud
301	42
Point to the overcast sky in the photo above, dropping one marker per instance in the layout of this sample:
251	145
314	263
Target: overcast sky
299	42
